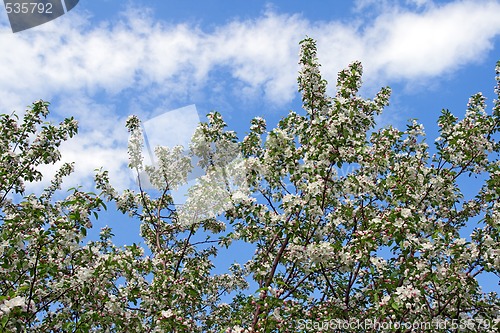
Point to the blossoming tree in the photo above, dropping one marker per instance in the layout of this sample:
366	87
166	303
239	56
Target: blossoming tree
381	247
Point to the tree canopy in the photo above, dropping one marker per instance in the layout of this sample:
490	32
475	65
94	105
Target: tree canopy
381	247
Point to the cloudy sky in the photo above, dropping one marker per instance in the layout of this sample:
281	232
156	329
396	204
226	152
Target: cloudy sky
105	60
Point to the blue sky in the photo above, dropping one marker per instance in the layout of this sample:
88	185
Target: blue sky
107	59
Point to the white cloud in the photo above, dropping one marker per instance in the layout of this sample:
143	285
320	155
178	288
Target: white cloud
150	63
406	45
137	53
